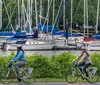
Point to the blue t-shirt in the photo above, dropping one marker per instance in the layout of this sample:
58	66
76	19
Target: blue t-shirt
19	56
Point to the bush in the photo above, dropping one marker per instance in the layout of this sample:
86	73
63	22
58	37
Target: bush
95	57
54	67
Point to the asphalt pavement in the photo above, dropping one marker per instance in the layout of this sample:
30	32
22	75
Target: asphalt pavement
55	83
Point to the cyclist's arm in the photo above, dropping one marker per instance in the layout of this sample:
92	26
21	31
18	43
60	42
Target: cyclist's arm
82	58
18	56
76	58
14	57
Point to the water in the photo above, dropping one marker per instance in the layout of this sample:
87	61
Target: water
44	53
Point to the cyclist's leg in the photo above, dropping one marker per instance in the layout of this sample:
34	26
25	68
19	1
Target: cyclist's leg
84	69
80	65
18	65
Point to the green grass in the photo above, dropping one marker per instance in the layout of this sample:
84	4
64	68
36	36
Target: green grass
53	80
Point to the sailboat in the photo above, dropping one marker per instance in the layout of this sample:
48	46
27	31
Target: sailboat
26	40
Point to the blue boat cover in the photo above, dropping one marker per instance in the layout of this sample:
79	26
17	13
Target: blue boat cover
97	36
45	28
12	34
63	33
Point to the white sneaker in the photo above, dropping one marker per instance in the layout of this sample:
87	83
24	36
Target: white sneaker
30	70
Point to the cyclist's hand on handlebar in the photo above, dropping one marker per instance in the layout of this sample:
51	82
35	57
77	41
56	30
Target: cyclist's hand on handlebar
78	63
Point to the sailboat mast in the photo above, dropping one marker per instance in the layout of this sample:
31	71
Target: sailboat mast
36	14
48	15
18	14
40	11
0	14
71	15
29	16
64	23
31	10
87	24
97	16
53	12
84	16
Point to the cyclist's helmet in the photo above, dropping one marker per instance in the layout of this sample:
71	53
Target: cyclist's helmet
84	49
19	47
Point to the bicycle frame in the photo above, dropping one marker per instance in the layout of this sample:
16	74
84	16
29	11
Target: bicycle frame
77	68
21	70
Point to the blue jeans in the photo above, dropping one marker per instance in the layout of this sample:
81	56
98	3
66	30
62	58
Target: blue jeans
85	66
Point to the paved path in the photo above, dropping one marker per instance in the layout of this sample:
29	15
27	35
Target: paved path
58	83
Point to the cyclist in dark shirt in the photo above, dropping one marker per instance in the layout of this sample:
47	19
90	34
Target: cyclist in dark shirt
84	61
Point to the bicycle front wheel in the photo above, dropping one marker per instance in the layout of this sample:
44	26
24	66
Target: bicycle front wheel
6	76
71	76
93	77
28	78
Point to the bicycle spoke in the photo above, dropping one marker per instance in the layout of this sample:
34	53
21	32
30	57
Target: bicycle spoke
71	76
93	77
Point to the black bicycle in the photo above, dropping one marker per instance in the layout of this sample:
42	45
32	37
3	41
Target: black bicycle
74	73
9	74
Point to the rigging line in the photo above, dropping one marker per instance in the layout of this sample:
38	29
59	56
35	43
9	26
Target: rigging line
8	14
78	32
47	15
12	14
77	9
57	15
23	14
92	5
26	14
93	8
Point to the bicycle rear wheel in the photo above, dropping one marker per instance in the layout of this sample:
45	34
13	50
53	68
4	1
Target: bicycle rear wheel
72	76
93	77
6	76
28	78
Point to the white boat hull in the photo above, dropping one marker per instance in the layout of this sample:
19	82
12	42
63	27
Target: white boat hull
31	47
93	46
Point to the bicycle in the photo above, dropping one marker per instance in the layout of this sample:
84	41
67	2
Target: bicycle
74	73
7	75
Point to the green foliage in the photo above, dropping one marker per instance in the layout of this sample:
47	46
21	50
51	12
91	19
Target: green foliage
54	67
96	60
78	11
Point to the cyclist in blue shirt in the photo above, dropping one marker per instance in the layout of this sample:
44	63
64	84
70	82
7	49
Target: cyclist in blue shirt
21	60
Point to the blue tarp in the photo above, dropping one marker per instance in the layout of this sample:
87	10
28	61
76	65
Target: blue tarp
6	34
45	28
95	36
13	38
63	33
12	34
